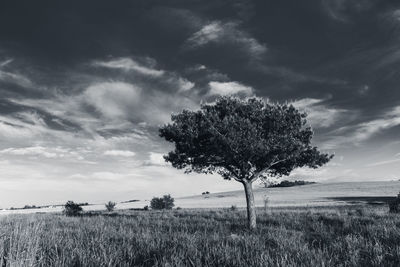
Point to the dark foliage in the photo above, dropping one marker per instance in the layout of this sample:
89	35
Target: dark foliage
72	209
160	203
286	183
30	207
394	205
242	139
130	201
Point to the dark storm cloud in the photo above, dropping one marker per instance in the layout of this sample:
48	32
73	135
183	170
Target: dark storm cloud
92	80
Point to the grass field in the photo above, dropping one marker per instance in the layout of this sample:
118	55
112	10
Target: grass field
340	236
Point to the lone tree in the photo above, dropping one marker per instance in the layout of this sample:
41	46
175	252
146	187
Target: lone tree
244	140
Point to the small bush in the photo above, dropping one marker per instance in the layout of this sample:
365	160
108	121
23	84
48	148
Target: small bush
146	207
178	208
165	202
110	206
394	205
233	208
72	209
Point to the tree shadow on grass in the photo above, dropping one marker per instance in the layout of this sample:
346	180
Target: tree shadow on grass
375	200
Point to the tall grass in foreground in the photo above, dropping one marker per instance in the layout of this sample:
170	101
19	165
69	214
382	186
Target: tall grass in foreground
291	237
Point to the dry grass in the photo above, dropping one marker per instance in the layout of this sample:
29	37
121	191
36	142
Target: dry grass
290	237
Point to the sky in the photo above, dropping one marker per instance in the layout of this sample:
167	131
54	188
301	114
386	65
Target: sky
85	85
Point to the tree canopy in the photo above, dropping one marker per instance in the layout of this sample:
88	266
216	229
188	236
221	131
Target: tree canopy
242	139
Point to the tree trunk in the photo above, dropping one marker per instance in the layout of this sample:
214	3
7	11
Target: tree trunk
251	207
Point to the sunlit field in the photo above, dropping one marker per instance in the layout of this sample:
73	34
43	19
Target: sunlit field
335	236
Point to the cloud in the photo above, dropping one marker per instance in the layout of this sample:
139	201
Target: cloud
326	173
341	10
384	162
221	33
14	78
121	102
119	153
184	85
112	99
6	62
16	131
128	64
229	88
210	32
358	133
31	151
319	115
366	130
156	159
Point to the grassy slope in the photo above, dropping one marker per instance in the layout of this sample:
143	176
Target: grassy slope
306	195
295	237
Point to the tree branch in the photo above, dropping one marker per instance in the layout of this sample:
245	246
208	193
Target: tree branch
235	175
223	136
255	177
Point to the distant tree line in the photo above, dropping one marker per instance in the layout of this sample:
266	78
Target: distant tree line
287	183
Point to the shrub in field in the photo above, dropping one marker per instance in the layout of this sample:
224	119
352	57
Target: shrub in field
110	206
146	207
233	208
394	206
160	203
72	209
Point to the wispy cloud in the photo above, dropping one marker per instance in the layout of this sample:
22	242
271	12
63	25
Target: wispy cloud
218	32
356	134
112	99
366	130
229	88
6	62
128	64
15	78
384	162
53	152
341	10
119	153
320	115
32	151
